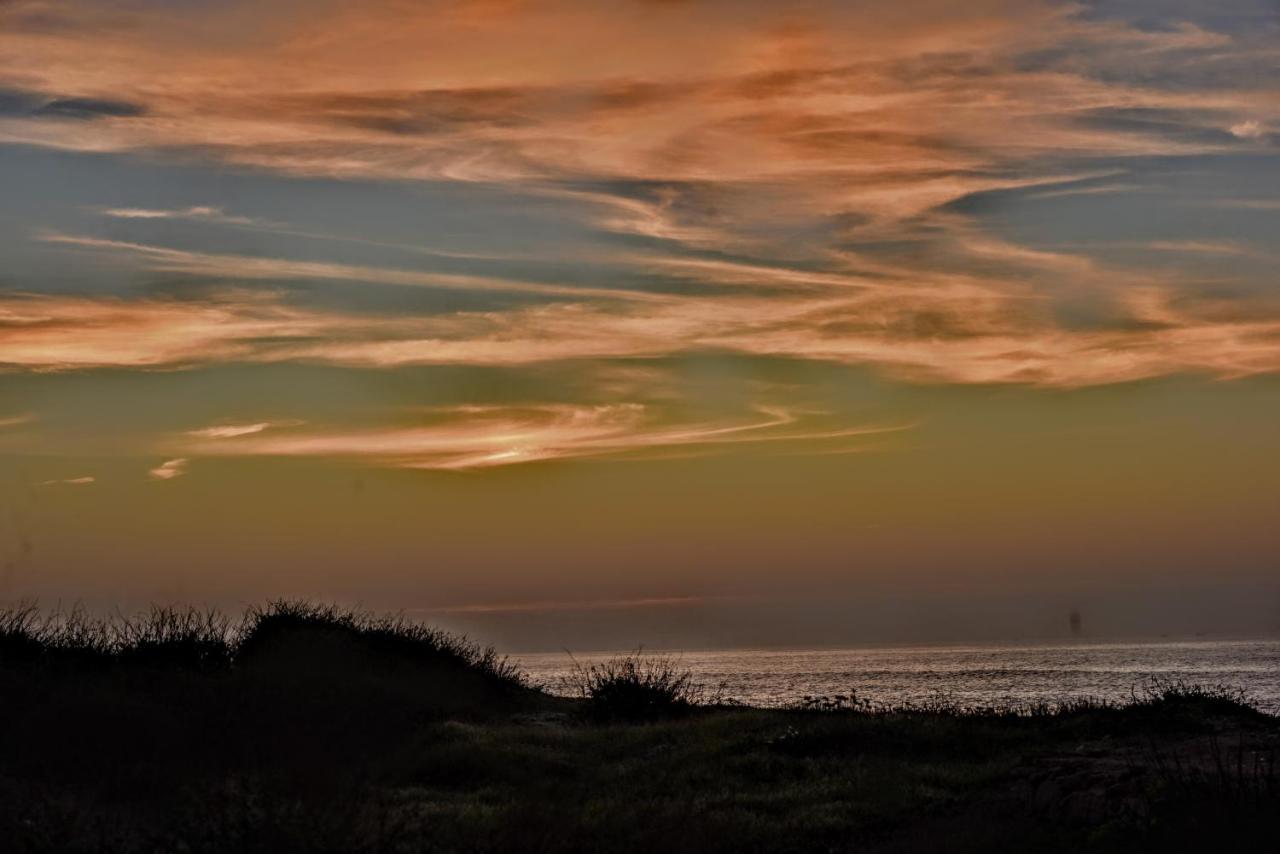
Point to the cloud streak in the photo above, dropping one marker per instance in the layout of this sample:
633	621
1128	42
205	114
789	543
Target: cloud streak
169	469
953	332
69	481
203	213
490	437
232	431
226	266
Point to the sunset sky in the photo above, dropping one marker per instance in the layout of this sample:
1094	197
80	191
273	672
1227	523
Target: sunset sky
677	323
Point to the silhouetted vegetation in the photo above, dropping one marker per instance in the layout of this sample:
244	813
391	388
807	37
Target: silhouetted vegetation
636	688
311	728
1197	789
303	633
174	638
189	639
1157	697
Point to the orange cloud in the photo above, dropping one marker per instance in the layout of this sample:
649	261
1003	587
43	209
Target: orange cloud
203	213
69	481
62	333
232	431
716	131
251	267
954	330
934	105
488	437
17	420
169	469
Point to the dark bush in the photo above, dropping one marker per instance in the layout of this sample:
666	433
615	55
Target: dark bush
636	688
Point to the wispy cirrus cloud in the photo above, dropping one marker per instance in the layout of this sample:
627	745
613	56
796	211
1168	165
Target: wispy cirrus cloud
1249	129
255	267
938	104
1089	190
17	420
69	481
232	431
169	469
775	197
202	213
488	437
51	333
953	331
1206	247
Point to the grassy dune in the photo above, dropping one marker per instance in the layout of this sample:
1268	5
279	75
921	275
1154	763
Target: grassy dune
304	728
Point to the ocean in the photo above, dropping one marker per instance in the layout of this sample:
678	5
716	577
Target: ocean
970	674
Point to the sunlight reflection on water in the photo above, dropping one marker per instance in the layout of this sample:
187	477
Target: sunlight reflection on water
973	674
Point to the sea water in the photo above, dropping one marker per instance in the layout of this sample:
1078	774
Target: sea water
973	674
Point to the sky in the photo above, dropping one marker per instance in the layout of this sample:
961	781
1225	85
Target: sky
700	323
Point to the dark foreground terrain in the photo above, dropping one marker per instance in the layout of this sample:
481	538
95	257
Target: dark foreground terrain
309	729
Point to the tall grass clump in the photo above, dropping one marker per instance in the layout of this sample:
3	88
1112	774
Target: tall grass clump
28	636
184	638
168	638
636	688
23	636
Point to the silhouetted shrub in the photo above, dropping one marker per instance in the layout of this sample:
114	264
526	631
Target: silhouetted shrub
1206	698
636	688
